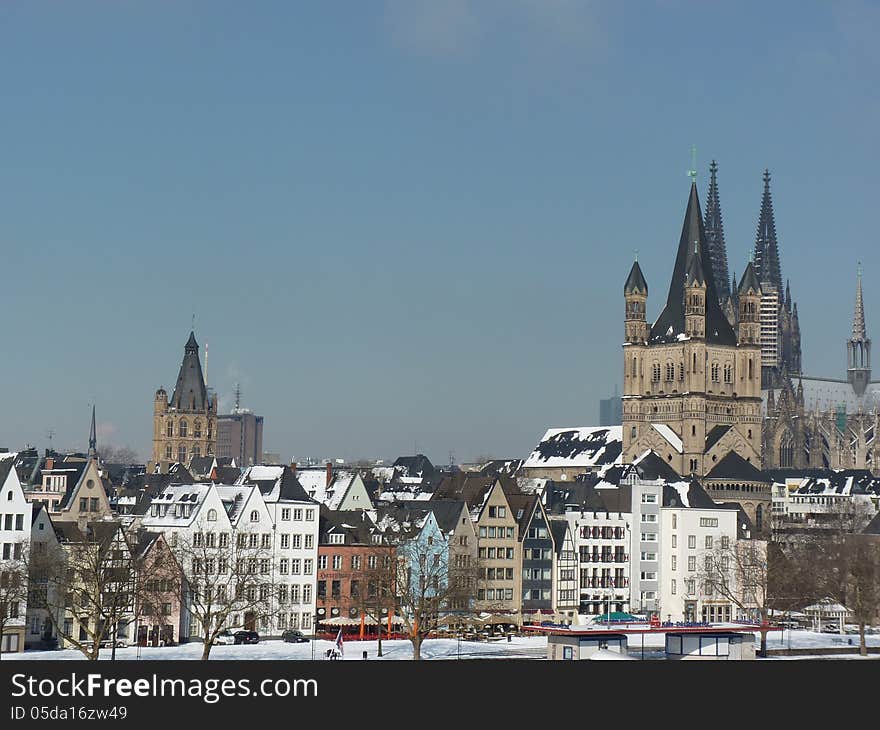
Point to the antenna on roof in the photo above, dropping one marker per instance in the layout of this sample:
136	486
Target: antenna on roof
50	433
206	366
237	397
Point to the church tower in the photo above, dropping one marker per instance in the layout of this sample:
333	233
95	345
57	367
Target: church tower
691	389
185	426
859	347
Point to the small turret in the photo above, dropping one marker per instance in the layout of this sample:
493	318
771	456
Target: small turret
635	293
695	296
749	297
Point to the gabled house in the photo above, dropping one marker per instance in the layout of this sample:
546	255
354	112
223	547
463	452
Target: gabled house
41	633
536	551
15	529
73	489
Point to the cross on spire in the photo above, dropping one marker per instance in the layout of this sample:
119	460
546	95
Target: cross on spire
692	173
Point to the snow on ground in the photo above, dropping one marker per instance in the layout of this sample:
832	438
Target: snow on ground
529	647
524	647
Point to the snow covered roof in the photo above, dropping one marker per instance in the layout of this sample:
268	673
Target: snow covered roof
586	446
670	435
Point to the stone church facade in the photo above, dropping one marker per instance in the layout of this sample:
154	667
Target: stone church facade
186	425
692	383
719	372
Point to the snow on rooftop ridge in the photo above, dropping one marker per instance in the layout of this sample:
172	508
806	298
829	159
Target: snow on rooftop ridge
670	436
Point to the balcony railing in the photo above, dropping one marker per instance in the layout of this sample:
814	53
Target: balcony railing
604	557
604	582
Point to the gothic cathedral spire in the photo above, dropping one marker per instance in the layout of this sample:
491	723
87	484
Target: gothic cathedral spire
766	246
714	230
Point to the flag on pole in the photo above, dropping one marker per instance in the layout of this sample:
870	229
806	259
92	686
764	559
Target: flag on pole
339	643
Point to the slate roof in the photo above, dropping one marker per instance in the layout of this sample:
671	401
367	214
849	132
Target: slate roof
228	474
687	494
714	436
356	525
670	325
415	466
472	489
201	465
635	282
584	447
733	466
749	280
6	466
190	393
873	527
558	528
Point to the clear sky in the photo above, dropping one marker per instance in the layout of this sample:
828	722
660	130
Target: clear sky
404	223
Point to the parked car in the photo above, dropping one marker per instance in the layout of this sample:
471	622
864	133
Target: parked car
108	643
225	637
246	637
830	628
295	636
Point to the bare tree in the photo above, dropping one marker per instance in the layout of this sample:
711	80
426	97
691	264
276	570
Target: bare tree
373	591
13	586
738	571
845	560
85	585
429	588
222	582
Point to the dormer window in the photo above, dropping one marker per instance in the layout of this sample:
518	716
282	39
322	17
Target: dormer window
337	539
255	516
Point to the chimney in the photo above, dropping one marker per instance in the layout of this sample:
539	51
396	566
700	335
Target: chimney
329	473
293	467
50	462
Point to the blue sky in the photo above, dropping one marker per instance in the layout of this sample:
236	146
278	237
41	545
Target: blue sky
404	223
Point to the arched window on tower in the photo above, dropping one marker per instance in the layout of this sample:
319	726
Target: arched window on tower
181	454
655	372
169	452
694	368
670	372
635	365
169	429
681	371
728	373
196	451
759	517
751	361
197	429
182	428
715	371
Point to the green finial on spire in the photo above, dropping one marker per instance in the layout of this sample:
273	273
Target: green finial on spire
636	255
692	173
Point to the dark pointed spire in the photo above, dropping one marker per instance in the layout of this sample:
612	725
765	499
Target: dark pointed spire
190	393
717	249
766	246
859	331
635	282
93	436
671	322
749	281
787	297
